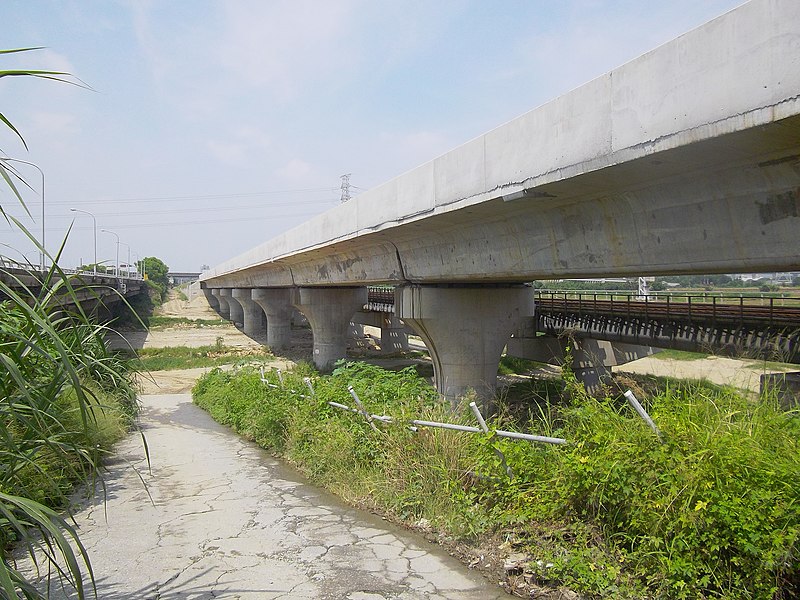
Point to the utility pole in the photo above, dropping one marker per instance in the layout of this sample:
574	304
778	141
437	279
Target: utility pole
345	187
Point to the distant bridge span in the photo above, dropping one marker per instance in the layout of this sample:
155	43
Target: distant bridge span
685	160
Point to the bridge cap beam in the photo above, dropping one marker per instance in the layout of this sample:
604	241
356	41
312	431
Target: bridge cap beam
465	328
329	311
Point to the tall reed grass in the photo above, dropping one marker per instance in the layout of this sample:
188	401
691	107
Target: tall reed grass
63	399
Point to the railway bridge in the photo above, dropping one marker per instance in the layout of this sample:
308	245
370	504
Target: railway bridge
685	160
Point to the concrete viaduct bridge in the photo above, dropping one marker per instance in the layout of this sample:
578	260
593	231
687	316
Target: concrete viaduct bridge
685	160
99	294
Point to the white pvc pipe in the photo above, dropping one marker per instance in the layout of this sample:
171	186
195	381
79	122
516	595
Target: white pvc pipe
642	412
531	438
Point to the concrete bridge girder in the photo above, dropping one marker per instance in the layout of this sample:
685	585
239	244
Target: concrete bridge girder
329	311
465	329
253	318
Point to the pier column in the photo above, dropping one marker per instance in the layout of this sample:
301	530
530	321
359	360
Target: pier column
393	335
465	328
329	311
236	314
223	309
277	306
213	301
253	315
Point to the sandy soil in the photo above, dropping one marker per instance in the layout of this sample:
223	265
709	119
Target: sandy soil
191	336
742	374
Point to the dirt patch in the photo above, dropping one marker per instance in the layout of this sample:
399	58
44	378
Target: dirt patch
742	374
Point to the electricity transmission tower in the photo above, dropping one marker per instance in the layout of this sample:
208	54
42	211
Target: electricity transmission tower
346	187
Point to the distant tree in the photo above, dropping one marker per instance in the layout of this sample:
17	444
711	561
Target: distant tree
157	273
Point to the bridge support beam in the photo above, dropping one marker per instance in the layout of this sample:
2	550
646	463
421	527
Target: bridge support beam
236	313
253	315
223	308
213	301
277	306
329	311
465	328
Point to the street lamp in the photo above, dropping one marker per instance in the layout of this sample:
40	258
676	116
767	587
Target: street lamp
35	166
140	266
86	212
116	264
128	269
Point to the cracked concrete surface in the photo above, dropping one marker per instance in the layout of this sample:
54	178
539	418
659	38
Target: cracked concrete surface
228	521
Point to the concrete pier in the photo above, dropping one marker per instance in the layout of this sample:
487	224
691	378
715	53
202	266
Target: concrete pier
223	308
393	335
277	306
329	311
213	301
465	328
253	315
236	313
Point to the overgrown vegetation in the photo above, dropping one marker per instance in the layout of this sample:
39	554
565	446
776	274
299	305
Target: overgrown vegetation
157	277
163	321
712	512
183	357
63	400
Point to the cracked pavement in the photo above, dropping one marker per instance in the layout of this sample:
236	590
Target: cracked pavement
228	521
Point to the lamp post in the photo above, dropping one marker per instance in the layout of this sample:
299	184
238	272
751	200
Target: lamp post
116	264
86	212
140	266
128	269
35	166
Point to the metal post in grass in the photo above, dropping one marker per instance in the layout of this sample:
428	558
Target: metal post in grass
307	381
361	408
498	453
642	412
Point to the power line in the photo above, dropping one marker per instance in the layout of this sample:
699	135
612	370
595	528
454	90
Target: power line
197	197
119	214
190	222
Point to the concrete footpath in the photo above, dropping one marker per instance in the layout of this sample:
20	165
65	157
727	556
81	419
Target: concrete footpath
228	521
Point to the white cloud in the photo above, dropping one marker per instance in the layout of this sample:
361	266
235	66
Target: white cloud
240	147
295	170
284	46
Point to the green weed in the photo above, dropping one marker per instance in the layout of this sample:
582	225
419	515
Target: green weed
183	357
712	511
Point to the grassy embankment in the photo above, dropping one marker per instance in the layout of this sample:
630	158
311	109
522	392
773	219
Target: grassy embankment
712	511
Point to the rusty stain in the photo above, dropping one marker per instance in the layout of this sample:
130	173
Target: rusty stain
779	206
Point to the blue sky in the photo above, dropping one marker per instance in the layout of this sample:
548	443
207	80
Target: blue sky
211	127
